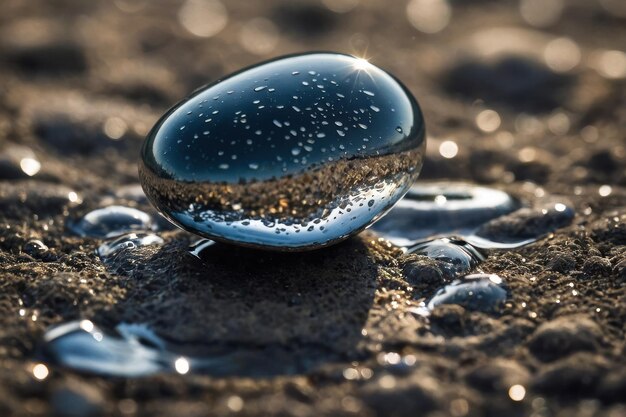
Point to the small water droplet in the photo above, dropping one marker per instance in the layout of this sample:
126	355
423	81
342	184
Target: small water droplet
477	292
456	256
35	248
128	241
112	221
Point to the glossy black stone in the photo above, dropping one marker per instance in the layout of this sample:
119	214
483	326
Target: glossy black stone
291	154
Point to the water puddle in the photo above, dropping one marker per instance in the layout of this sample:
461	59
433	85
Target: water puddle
132	350
442	208
112	221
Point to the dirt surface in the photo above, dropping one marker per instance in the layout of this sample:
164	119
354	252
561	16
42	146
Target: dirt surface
83	81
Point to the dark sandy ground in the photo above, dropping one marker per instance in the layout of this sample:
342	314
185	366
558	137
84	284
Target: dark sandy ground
76	74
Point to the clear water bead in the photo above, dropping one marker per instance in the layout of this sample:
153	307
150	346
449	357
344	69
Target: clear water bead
433	208
476	292
455	255
292	154
125	242
112	221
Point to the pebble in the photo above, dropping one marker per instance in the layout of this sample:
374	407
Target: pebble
573	377
610	229
292	154
388	395
619	270
77	124
596	266
497	375
563	336
519	83
562	262
38	46
16	197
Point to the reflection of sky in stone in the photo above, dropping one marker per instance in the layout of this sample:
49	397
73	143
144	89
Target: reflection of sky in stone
283	118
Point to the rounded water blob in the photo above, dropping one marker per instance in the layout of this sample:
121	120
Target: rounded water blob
292	154
456	256
35	248
128	241
134	350
476	292
438	208
83	346
112	221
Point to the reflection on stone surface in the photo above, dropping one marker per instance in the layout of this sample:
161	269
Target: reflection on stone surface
293	154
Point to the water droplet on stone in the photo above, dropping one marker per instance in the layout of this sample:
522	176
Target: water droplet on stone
112	221
456	256
128	241
476	292
197	187
35	248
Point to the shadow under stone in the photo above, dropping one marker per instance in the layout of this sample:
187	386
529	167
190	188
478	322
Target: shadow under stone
248	312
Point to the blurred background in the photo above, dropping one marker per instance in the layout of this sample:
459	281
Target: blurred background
517	90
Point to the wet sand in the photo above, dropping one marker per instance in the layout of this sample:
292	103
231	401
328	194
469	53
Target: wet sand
82	82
